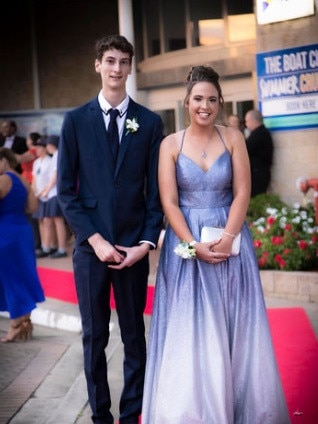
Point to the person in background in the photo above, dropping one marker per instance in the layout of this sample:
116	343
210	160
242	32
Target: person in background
107	183
234	122
260	150
41	175
53	211
20	287
27	160
210	354
12	141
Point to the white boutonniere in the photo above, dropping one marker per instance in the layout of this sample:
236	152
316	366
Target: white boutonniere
132	125
185	250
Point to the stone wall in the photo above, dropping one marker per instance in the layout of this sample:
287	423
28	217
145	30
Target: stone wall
296	285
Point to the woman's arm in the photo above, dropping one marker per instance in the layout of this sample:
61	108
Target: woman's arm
167	179
32	202
5	185
241	181
49	186
25	157
241	186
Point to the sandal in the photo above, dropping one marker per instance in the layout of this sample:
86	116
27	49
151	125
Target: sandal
15	332
28	329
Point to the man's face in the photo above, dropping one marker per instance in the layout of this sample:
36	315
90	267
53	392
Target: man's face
114	68
6	129
249	122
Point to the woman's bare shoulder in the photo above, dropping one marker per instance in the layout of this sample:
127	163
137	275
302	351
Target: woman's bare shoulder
232	137
172	141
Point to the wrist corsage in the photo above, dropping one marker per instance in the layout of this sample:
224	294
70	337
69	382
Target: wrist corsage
185	250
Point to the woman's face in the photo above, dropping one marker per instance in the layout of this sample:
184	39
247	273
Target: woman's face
203	103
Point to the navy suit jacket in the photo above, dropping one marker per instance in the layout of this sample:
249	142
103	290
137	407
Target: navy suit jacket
19	145
118	200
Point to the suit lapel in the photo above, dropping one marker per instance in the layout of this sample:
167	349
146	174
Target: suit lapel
98	124
127	137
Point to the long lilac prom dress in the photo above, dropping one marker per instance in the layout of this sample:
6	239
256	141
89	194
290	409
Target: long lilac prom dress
210	354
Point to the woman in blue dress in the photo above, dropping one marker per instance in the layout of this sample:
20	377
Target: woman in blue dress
210	353
20	287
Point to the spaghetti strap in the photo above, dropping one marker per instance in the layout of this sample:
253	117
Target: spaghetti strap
218	131
183	135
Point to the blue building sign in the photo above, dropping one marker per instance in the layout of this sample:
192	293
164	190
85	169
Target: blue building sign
287	84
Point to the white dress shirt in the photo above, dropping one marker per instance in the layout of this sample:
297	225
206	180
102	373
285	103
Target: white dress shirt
9	142
121	118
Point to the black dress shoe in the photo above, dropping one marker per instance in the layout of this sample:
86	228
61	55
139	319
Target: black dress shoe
42	254
57	255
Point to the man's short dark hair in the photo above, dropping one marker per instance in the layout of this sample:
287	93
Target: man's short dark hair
118	42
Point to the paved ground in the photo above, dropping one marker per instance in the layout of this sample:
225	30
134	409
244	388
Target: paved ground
42	381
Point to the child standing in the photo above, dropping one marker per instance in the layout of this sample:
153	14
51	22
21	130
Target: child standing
52	210
40	174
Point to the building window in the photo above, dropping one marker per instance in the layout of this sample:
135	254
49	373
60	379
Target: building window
193	23
206	22
168	119
241	28
238	108
241	7
152	18
243	107
210	32
174	27
240	20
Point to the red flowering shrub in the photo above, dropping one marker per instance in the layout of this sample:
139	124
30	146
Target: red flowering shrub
286	239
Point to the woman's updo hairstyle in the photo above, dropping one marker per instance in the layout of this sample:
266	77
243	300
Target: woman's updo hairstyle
203	73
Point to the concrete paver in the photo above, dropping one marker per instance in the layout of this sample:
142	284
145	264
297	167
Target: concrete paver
26	365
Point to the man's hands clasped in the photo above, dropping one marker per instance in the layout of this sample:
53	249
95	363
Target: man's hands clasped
117	257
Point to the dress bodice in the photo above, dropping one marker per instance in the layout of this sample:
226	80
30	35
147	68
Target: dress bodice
205	189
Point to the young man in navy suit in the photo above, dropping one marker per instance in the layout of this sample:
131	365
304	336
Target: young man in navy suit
111	201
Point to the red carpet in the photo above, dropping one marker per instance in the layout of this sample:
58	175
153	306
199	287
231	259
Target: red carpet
296	350
294	340
60	285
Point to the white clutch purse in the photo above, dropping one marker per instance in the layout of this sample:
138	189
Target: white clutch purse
214	233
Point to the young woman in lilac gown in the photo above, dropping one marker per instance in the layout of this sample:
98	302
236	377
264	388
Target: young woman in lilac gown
210	353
